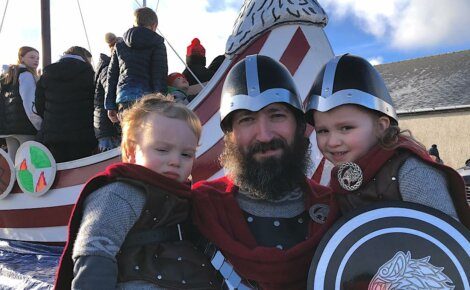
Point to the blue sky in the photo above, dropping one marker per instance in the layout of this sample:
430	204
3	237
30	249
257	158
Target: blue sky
414	29
380	30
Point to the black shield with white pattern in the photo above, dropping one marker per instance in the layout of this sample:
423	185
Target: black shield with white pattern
393	245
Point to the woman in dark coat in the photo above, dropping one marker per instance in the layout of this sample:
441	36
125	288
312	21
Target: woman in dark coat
64	98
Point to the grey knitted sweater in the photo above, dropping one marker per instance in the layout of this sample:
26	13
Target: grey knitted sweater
421	183
109	214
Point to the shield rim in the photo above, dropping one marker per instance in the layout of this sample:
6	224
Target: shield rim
461	229
7	191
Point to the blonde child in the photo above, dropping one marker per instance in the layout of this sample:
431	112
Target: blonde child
130	228
357	130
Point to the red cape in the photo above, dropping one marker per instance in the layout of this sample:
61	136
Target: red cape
373	161
220	219
64	274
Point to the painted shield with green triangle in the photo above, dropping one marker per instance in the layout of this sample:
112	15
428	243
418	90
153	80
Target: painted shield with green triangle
35	168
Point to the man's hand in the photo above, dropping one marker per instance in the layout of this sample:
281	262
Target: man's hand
112	115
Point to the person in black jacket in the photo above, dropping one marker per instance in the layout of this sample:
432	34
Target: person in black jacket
435	154
64	98
138	64
196	62
105	131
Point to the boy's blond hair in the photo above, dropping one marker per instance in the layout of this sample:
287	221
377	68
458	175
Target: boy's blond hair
145	17
135	117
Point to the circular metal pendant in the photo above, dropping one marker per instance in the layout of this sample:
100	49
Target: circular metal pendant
319	212
350	176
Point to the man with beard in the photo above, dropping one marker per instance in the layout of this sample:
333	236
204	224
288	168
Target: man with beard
265	217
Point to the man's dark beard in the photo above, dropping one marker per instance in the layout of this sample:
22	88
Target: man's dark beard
273	177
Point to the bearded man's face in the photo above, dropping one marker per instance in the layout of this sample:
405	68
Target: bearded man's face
266	153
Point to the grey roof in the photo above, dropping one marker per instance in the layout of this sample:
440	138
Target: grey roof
424	84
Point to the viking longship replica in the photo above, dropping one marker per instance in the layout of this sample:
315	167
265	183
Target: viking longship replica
37	195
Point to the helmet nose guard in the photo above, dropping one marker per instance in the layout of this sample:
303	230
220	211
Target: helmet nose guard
349	79
254	83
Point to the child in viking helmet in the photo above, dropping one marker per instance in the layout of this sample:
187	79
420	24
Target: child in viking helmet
357	130
130	228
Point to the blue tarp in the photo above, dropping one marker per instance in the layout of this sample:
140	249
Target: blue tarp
26	265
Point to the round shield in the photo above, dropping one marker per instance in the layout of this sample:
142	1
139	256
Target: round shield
35	168
393	245
7	174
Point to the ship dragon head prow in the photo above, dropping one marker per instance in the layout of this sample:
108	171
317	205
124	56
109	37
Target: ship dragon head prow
257	16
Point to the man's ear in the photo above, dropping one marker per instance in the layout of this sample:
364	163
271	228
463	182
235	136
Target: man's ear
383	123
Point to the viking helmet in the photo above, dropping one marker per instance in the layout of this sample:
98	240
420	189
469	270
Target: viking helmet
349	79
254	83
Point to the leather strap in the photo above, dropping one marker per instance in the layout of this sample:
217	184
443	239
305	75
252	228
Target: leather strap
174	233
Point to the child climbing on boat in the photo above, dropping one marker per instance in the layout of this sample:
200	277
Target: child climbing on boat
130	228
357	130
138	65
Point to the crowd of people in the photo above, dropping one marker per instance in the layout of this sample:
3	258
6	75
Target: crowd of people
141	224
73	109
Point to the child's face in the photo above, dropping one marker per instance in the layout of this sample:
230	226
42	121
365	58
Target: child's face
166	146
346	133
31	60
181	83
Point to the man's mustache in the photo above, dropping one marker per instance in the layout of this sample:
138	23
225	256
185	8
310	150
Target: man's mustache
265	146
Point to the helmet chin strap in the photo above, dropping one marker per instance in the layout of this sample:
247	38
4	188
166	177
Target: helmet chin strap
252	80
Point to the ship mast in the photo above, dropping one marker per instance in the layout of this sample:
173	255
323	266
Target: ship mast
46	32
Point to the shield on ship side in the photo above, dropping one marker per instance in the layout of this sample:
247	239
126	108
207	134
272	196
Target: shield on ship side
393	245
35	168
7	174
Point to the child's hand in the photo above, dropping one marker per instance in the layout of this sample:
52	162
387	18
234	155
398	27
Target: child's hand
112	115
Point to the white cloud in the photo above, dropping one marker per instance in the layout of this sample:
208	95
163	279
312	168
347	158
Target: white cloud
376	60
428	23
179	21
408	24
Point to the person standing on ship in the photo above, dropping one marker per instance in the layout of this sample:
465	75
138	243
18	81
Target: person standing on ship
18	119
138	65
105	131
64	98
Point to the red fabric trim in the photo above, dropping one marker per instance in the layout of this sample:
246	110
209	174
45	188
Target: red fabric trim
319	171
64	273
373	161
220	219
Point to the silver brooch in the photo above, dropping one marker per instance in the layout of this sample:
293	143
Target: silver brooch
350	176
319	212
